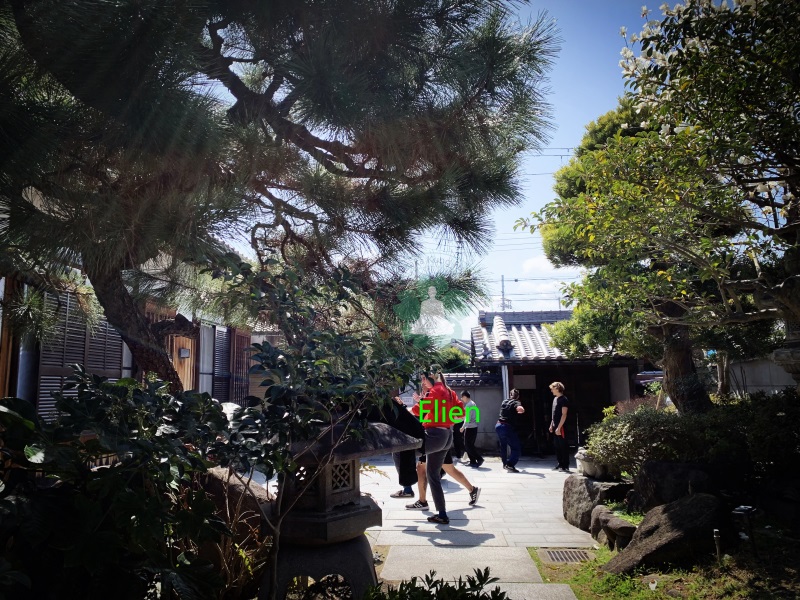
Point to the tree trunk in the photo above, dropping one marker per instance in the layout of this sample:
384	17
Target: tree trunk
723	378
681	381
125	315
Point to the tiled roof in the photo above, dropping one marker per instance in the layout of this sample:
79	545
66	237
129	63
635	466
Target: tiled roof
527	317
463	345
472	380
509	337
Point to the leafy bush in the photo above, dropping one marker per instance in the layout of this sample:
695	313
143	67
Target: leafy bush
624	442
438	589
752	438
129	530
141	527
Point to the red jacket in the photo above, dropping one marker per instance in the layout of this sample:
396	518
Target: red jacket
435	408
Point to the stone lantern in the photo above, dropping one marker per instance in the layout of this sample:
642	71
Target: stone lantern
323	533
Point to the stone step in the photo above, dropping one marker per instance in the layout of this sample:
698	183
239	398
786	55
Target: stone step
537	591
508	564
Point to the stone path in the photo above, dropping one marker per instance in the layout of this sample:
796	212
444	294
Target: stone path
515	511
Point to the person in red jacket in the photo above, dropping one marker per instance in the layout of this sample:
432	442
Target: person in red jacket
436	411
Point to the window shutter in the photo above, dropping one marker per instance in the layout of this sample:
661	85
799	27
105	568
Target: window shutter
100	351
240	360
220	388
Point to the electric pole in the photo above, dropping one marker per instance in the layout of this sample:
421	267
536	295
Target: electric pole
504	304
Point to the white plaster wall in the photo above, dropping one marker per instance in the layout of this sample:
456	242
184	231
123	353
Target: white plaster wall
619	384
759	375
488	400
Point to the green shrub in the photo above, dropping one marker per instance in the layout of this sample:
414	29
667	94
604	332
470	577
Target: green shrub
754	437
131	530
624	442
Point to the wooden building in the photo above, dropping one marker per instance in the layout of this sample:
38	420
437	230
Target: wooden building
216	362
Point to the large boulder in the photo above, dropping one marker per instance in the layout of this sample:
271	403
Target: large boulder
582	494
675	533
661	482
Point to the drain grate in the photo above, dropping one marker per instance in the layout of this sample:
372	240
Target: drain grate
567	556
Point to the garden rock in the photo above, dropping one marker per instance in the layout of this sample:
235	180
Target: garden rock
634	501
582	494
618	532
673	533
660	482
236	504
601	515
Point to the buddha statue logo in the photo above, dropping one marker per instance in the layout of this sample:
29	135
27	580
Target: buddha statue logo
430	316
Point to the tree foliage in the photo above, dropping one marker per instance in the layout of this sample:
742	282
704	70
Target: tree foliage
332	130
682	201
721	83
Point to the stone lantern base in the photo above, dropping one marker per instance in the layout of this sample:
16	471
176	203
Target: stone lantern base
351	559
328	527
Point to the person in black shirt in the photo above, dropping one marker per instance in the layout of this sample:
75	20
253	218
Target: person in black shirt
506	434
560	411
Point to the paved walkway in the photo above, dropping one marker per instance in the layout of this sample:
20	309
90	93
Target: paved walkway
515	511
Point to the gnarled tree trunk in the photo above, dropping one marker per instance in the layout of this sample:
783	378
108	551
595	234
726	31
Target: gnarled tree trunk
681	380
723	375
145	341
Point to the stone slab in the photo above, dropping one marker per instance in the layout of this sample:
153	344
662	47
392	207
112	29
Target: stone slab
445	536
507	564
537	591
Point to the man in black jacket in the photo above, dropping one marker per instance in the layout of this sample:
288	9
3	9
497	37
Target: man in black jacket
506	434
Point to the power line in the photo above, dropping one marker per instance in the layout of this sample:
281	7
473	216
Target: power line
518	279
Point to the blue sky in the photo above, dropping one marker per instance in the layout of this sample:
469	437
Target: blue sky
585	82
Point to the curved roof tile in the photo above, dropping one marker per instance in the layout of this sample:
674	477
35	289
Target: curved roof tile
515	339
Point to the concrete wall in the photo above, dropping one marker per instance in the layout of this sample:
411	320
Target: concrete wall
488	401
759	375
619	381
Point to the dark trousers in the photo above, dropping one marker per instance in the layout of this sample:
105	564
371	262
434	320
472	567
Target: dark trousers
508	439
562	451
458	440
470	435
437	444
406	464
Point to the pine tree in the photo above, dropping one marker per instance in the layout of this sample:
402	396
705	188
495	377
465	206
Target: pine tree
135	131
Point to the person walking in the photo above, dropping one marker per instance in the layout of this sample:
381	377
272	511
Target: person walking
470	429
435	413
506	434
450	469
559	418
